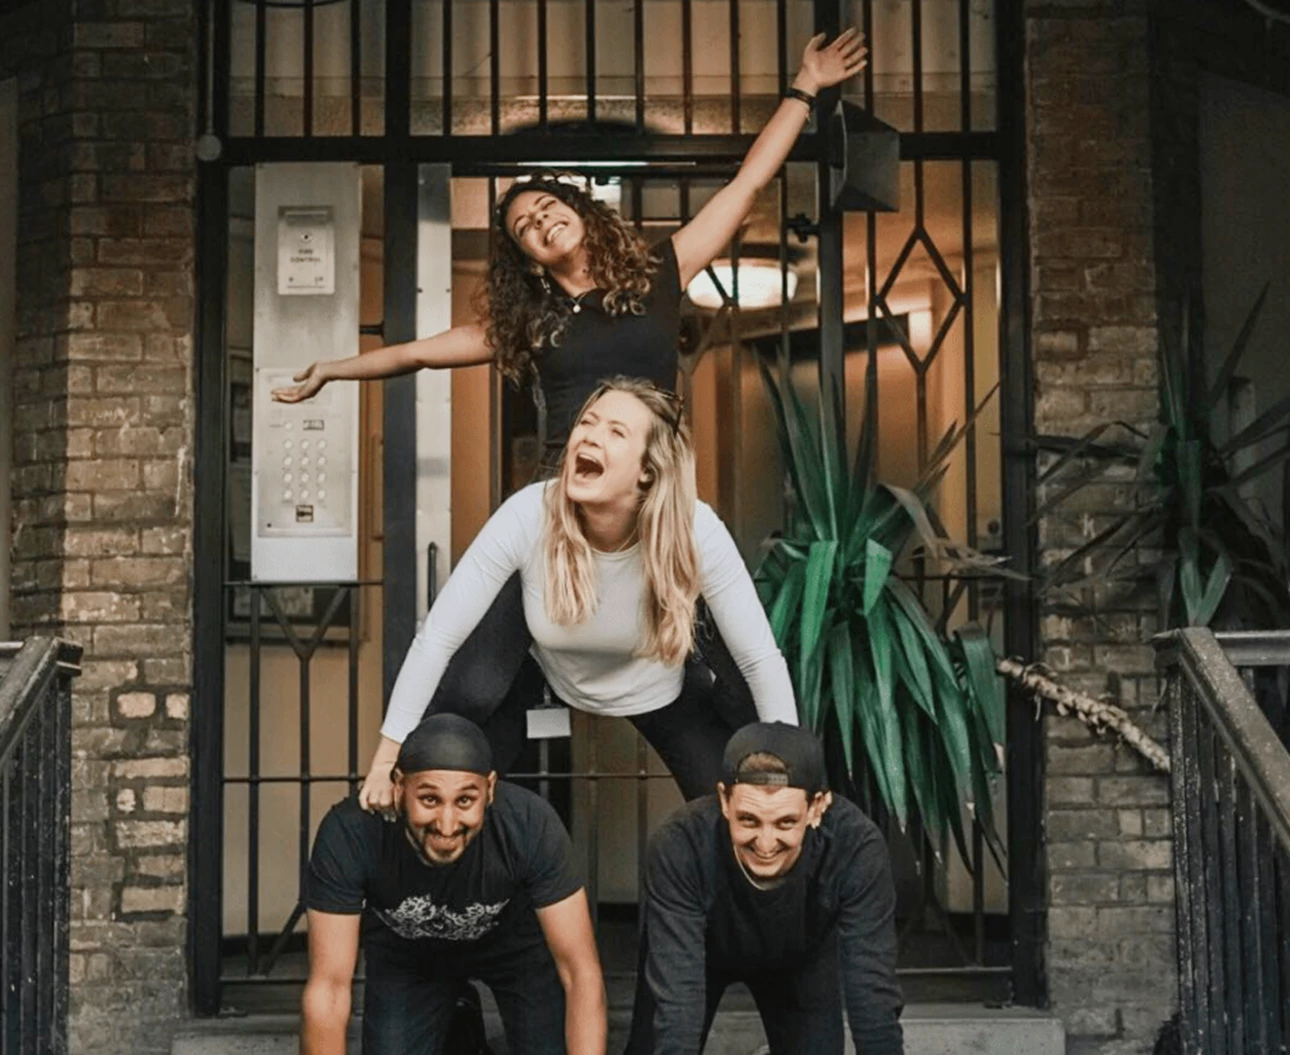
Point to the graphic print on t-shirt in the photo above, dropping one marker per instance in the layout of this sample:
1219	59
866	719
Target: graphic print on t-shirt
420	917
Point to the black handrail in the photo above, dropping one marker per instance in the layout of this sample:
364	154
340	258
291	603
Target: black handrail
35	826
1231	822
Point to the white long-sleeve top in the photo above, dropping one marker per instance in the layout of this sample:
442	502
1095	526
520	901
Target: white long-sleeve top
592	666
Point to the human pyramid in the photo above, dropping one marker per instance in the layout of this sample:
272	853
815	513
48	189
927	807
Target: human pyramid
440	872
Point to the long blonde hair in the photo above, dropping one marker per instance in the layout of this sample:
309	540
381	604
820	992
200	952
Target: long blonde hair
664	522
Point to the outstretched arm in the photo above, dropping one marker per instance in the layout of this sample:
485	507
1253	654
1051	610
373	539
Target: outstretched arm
460	346
699	241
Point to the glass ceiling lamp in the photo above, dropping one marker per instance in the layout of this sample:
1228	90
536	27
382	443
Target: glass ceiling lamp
761	285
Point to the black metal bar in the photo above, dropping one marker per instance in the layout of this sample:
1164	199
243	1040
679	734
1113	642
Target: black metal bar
10	929
638	58
543	71
1254	946
352	641
1027	879
307	43
206	744
221	57
687	66
1209	838
1225	785
399	470
469	155
1265	850
1179	704
356	67
447	66
965	66
398	77
590	32
916	28
261	45
495	65
733	6
253	793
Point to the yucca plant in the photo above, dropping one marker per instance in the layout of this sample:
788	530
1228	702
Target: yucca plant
1221	558
924	708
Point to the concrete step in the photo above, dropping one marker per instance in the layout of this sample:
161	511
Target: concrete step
930	1029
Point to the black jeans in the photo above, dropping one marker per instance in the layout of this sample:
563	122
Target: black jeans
493	681
408	1008
800	1006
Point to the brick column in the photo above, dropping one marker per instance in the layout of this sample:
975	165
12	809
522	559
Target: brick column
101	484
1111	918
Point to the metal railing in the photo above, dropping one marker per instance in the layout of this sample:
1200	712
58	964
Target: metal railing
1231	820
35	824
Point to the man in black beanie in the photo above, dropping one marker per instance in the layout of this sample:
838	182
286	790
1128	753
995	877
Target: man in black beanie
471	881
771	883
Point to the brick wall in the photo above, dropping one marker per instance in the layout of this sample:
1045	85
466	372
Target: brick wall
103	428
1094	312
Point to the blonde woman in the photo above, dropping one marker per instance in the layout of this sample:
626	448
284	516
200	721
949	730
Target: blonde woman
612	554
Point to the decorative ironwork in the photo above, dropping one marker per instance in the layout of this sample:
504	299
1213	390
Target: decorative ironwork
1231	823
35	848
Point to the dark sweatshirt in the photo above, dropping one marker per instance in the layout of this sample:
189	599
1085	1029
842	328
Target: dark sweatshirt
703	915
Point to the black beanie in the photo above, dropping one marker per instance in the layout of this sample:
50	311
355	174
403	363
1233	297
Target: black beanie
446	741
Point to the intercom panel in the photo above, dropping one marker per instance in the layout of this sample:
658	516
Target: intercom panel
304	456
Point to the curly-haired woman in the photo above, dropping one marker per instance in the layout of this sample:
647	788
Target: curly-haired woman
611	555
573	292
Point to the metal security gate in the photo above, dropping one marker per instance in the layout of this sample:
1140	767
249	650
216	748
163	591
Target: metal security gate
478	85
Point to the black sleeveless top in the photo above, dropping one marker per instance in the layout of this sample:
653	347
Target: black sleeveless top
595	345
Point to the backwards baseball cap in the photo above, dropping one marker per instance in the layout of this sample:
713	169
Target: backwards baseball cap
799	749
446	741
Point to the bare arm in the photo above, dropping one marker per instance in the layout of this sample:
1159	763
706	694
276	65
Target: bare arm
460	346
567	928
698	242
333	952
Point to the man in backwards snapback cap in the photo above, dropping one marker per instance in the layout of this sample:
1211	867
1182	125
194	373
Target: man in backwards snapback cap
472	881
771	883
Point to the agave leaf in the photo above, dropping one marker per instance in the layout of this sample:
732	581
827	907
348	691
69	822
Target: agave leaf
913	642
877	566
783	613
843	686
881	644
1189	572
1215	587
953	436
811	674
1262	466
833	447
801	449
815	595
948	792
981	680
1228	368
1257	430
951	705
938	659
868	713
1151	452
917	735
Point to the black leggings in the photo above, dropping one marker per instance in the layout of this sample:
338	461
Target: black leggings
493	681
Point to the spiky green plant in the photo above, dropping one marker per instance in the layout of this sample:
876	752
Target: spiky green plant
924	707
1220	556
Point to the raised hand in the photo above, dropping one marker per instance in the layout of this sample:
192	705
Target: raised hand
311	378
824	66
377	792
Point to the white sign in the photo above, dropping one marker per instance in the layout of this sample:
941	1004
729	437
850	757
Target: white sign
306	252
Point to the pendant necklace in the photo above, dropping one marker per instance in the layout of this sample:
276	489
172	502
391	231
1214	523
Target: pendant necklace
577	301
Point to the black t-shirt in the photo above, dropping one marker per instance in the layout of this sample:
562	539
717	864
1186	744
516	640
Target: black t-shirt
520	861
702	913
595	345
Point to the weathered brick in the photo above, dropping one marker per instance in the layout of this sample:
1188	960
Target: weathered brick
1123	854
1091	888
152	899
105	474
177	705
139	834
109	34
1083	824
159	866
100	607
1133	791
159	799
139	571
150	768
136	704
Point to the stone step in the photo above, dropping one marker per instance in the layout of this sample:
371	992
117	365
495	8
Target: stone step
930	1029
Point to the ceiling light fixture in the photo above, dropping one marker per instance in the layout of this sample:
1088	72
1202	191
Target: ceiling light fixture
761	285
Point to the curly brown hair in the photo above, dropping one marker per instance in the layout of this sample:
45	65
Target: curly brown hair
524	315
